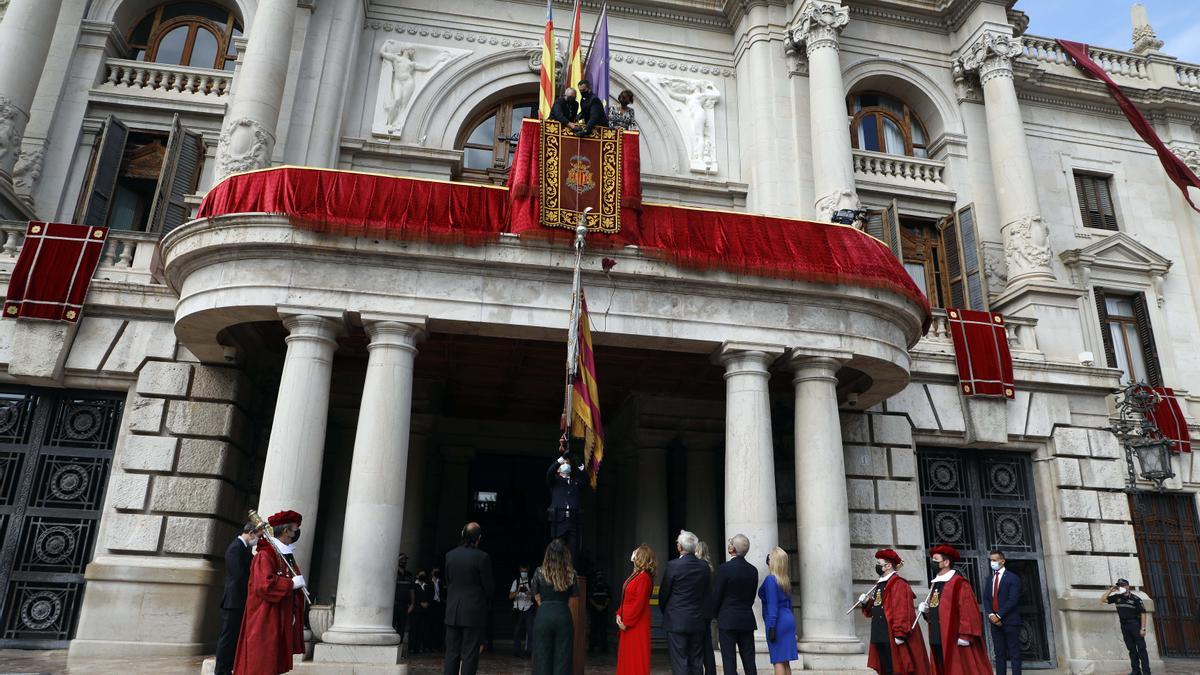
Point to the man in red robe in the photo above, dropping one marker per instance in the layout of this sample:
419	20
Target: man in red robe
955	620
896	649
273	626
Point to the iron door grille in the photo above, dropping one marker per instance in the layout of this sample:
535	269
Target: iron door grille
56	448
978	501
1168	543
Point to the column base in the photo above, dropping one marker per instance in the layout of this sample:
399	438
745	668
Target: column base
835	663
326	653
372	636
832	645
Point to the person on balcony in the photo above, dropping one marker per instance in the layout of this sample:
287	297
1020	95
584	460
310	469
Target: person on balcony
591	110
565	110
621	116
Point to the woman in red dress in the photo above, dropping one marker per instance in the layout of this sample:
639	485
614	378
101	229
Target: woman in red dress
633	618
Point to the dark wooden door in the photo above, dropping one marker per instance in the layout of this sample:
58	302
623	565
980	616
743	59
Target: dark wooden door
1168	543
55	451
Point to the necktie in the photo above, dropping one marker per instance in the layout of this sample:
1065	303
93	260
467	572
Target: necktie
996	592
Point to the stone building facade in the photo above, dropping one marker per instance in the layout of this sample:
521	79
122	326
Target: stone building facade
390	391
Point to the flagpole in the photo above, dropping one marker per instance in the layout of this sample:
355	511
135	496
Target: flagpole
587	58
573	327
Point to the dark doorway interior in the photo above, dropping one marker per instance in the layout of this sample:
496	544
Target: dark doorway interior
1168	543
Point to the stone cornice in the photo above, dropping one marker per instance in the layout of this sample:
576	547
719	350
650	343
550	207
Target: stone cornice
1051	89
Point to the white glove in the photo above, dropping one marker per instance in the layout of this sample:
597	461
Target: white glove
862	599
562	460
298	582
899	641
964	643
923	607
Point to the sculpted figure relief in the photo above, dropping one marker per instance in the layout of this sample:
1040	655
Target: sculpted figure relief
10	133
402	76
693	102
1027	246
244	145
29	167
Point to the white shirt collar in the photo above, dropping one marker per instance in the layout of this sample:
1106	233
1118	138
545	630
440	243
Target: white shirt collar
999	572
944	576
887	576
283	548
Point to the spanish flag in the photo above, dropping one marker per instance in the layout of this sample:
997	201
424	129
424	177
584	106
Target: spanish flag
585	400
546	90
575	53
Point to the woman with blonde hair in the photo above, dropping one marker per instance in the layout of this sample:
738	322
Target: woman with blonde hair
633	617
553	629
708	655
776	596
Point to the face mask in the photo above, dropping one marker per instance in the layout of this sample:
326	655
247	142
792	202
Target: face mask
995	566
524	576
633	557
878	570
295	536
564	470
1125	591
253	541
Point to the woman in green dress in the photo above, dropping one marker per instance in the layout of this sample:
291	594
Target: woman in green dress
553	629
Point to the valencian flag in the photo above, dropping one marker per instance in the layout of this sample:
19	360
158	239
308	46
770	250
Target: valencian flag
585	400
574	53
546	90
597	58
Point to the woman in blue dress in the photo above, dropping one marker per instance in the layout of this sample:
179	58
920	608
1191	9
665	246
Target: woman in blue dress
776	596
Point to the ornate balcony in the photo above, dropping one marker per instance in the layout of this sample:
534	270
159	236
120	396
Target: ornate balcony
901	174
126	78
1114	62
1020	331
129	257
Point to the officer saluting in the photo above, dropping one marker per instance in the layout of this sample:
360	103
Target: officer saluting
564	504
1132	613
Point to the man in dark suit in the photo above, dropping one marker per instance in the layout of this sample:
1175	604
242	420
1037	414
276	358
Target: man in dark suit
564	504
233	602
591	110
683	599
469	594
566	109
1000	596
734	590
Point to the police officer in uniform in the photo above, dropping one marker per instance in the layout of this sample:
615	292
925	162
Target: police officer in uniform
1132	613
564	504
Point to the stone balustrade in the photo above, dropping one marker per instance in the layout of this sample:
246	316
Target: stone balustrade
1114	62
1188	75
1020	331
165	79
883	167
129	257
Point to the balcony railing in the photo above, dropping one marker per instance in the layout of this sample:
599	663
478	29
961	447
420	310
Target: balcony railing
926	173
1188	75
160	79
130	257
1021	333
1114	62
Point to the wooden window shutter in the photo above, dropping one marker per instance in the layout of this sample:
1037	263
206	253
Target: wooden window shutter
106	168
180	169
891	230
972	259
1110	353
1095	202
1108	214
954	274
1146	337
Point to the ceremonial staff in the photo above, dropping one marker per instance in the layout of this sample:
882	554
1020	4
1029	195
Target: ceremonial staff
262	526
926	603
573	328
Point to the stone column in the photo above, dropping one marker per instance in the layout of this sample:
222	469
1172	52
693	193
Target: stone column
1026	238
822	516
25	35
413	538
249	130
833	163
651	514
292	471
375	502
336	75
704	501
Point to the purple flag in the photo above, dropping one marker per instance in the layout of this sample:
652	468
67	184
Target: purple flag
596	70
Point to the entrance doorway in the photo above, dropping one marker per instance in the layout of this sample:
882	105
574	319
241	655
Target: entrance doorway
55	451
1168	544
508	498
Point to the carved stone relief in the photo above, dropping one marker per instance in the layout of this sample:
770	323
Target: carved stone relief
1027	246
692	102
407	67
244	145
991	55
1189	155
835	201
29	167
12	124
819	25
994	269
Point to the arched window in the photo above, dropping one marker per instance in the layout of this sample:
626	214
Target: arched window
197	34
490	141
883	123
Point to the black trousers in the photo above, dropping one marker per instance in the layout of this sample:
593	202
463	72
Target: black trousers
732	642
1139	660
1006	646
418	631
708	656
522	632
462	650
685	650
231	626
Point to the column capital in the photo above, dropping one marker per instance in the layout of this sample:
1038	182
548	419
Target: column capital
394	331
808	366
818	24
746	356
305	326
991	54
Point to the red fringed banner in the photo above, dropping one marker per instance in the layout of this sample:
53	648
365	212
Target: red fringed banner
54	270
1169	419
391	207
1178	171
981	353
579	173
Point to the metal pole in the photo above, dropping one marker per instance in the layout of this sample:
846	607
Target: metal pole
573	327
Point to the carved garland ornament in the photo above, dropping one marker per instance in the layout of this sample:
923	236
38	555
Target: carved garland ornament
244	145
992	55
842	198
1027	246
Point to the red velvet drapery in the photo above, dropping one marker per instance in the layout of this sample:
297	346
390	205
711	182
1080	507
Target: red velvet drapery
1169	419
53	271
981	353
376	206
